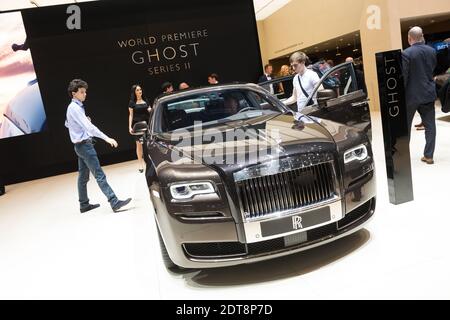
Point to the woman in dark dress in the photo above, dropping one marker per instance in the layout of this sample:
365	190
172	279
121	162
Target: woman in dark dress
286	87
139	111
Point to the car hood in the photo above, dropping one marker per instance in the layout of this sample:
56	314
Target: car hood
252	141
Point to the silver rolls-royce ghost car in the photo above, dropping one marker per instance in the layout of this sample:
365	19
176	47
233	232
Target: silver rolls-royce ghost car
236	177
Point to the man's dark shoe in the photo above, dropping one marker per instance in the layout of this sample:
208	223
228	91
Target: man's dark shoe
89	208
120	204
427	160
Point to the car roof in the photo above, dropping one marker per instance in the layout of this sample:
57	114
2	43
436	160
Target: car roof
206	89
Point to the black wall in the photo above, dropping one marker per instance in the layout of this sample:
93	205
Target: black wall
231	49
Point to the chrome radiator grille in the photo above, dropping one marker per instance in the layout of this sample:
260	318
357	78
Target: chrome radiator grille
288	190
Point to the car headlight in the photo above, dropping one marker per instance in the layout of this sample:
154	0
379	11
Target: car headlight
359	153
181	191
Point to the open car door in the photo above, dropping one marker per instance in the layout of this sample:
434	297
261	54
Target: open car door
337	97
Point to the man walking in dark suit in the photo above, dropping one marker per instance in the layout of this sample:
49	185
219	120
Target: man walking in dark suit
419	62
267	76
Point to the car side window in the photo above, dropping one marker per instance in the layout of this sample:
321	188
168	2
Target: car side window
259	100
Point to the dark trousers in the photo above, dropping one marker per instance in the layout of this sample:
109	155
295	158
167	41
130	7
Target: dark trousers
428	114
88	162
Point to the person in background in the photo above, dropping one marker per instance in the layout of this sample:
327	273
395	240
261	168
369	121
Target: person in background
419	62
183	86
213	79
359	73
138	111
267	76
285	86
330	63
81	132
167	87
349	59
231	105
440	75
303	83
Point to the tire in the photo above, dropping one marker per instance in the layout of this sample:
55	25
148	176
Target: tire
170	265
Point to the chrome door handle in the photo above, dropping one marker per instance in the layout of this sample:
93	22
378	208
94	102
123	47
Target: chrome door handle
360	104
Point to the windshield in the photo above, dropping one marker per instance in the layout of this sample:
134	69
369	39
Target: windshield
214	108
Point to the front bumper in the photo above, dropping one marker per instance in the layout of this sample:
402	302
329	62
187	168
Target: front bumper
212	245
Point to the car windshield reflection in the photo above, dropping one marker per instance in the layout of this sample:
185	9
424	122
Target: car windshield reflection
215	108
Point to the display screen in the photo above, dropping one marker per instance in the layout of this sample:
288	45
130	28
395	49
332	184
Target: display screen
21	107
438	46
111	45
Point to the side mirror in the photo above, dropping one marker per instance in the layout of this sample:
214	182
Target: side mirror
140	128
324	95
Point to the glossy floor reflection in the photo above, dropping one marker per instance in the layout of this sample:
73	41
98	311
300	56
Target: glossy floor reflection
49	250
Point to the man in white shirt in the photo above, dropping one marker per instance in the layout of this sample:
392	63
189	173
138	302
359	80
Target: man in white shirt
81	131
304	82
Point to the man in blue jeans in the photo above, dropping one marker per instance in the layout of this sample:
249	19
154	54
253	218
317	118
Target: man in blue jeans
81	131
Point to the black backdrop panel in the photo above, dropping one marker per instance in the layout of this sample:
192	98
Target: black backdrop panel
121	43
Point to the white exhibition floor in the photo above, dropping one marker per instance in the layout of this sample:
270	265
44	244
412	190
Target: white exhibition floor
48	250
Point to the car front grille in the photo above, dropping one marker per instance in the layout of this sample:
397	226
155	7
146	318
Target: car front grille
288	190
